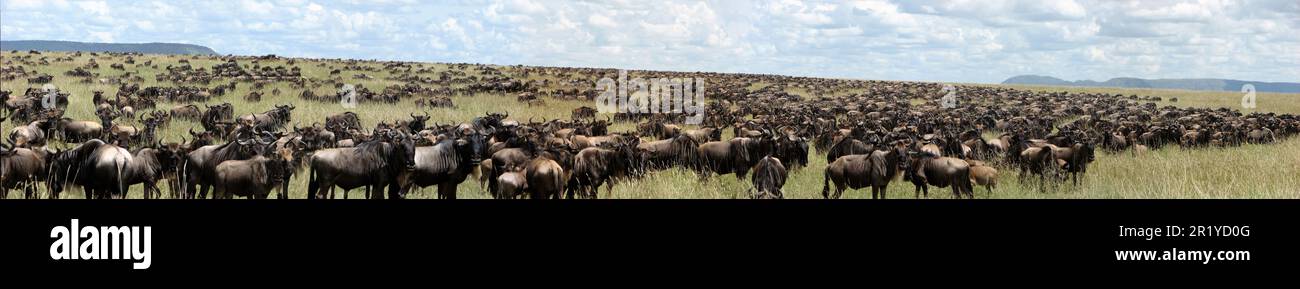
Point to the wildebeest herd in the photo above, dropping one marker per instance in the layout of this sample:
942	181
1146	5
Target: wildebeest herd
869	132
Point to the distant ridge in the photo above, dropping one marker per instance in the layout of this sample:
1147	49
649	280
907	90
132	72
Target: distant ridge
1213	84
151	48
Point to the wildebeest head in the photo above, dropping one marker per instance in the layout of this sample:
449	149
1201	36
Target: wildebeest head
417	122
65	165
472	143
601	127
169	155
404	148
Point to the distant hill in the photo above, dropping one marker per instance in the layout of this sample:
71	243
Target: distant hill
152	48
1186	84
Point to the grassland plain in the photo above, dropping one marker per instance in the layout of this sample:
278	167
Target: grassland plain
1250	171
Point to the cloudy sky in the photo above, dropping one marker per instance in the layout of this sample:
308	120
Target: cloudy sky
966	40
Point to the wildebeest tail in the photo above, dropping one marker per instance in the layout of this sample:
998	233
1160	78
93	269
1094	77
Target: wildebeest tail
120	166
826	183
312	186
964	182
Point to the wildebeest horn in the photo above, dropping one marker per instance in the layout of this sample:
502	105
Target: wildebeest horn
426	114
412	115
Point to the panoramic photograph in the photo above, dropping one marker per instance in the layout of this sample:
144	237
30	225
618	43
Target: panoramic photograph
525	99
324	139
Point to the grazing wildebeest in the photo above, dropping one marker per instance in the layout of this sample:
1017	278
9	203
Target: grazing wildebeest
187	112
705	134
594	166
30	135
77	130
375	164
271	120
661	154
447	163
21	166
584	112
927	169
253	178
768	179
858	171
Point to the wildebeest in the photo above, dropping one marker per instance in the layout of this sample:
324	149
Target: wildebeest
253	178
984	175
704	134
584	112
271	120
1075	158
30	135
848	146
595	166
926	169
375	164
70	130
21	166
107	171
737	155
661	154
545	178
511	185
768	179
187	112
199	166
446	163
858	171
792	150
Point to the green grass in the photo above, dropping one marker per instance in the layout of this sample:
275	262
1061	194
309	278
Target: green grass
1252	171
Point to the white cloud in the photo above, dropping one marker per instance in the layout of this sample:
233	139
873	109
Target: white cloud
950	40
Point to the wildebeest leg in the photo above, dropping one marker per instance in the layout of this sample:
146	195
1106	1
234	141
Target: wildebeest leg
447	191
29	189
394	191
609	187
203	191
595	189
